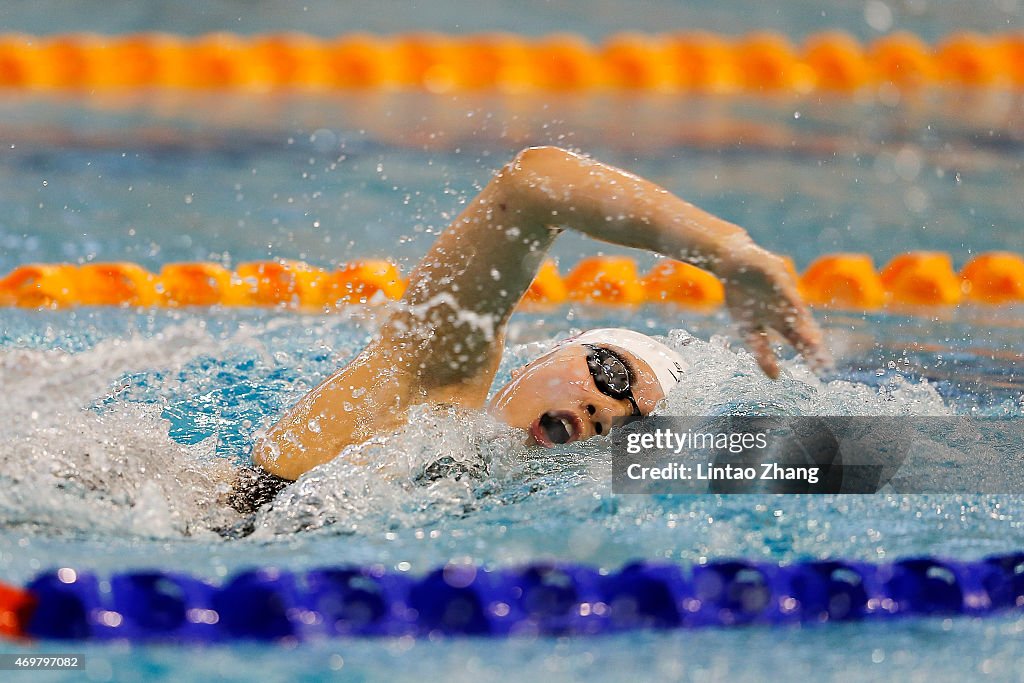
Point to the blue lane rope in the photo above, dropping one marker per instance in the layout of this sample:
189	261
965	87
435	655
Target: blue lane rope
539	599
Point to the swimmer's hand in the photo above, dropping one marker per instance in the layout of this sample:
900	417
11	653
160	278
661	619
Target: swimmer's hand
761	294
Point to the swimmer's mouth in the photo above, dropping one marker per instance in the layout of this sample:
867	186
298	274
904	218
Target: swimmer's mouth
556	427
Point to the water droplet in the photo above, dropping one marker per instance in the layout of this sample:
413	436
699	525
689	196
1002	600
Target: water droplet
878	15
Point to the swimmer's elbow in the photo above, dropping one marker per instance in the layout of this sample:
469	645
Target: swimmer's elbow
527	178
543	154
543	160
266	453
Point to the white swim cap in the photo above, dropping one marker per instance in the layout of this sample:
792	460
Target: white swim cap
667	364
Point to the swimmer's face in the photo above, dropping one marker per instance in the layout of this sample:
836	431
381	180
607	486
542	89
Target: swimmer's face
555	399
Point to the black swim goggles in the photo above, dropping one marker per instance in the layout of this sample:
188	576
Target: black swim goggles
612	376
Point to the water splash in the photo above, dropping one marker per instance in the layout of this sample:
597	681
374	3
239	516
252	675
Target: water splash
722	379
137	434
441	464
66	467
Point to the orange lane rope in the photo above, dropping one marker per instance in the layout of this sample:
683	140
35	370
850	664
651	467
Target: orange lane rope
671	62
848	281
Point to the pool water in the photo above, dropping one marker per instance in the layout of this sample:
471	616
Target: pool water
120	426
232	177
795	18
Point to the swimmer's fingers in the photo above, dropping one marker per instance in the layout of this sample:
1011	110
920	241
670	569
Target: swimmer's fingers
800	329
808	345
754	320
761	348
762	295
793	320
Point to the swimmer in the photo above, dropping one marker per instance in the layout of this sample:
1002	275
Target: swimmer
444	341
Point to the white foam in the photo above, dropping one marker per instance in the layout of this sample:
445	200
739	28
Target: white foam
722	379
386	483
67	466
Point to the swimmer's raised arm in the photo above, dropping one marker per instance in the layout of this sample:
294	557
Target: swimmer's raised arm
464	290
444	342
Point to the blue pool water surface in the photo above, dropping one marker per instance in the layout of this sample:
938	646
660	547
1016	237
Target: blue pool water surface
120	425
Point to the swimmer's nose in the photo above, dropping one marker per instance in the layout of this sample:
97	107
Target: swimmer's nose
600	419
